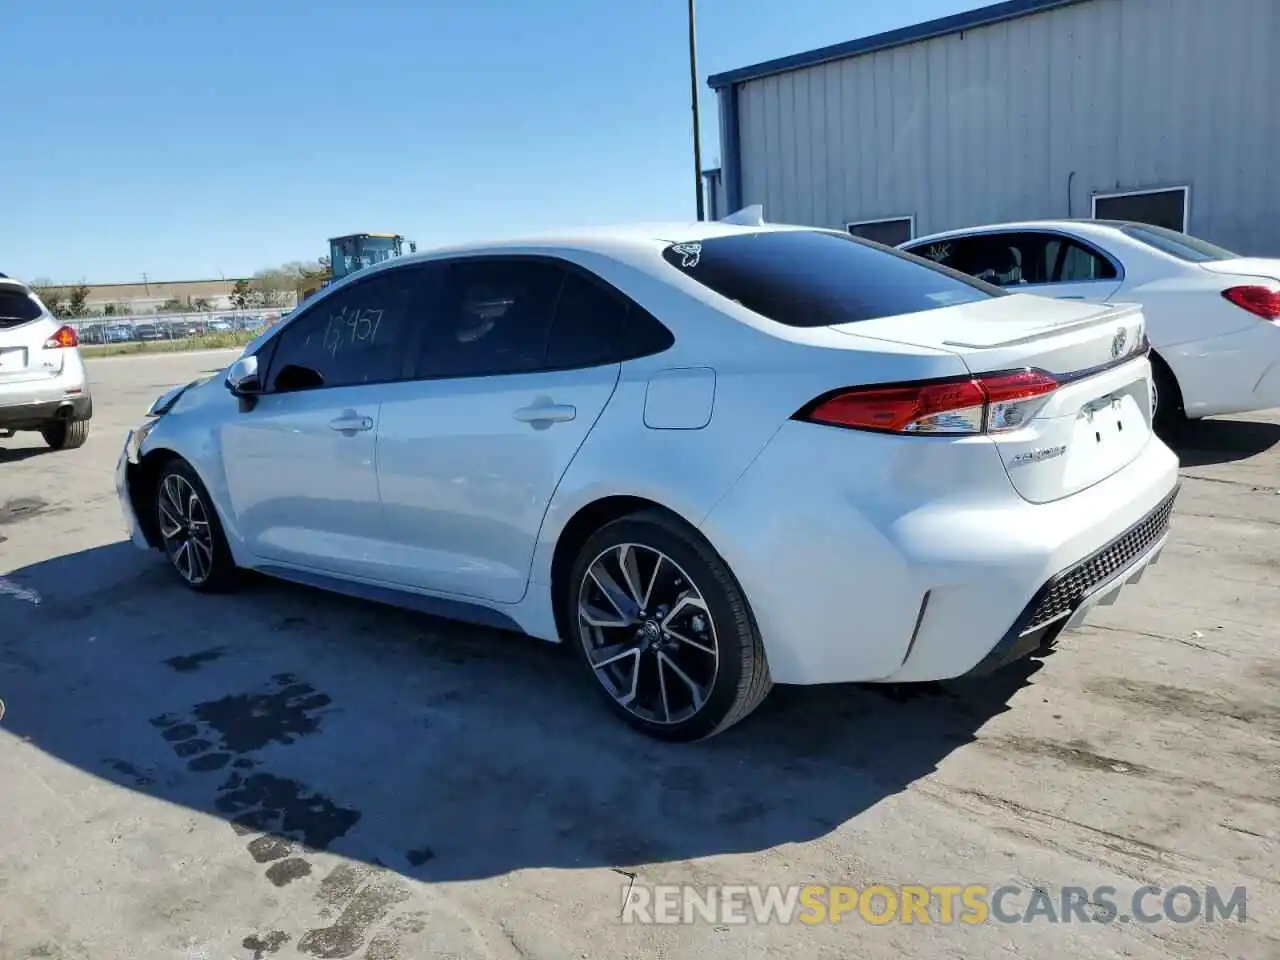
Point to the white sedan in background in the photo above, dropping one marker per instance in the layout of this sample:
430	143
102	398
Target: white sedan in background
710	457
1213	317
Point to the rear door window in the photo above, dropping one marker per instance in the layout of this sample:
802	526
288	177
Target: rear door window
809	278
492	316
1080	264
590	325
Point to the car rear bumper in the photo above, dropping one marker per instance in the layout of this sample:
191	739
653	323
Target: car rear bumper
874	558
1066	600
30	404
32	415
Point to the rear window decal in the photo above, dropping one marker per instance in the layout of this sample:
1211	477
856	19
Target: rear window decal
690	254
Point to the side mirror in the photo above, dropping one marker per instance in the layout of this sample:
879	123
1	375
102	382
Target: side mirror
242	377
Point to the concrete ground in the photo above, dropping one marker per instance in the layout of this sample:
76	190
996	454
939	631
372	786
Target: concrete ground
284	773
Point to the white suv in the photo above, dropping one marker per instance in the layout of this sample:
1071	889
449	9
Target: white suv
43	384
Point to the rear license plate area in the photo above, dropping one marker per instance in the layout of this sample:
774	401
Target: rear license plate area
1104	421
13	359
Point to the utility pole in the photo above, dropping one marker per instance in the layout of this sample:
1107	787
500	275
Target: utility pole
693	90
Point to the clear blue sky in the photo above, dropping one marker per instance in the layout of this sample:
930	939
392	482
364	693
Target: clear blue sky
185	139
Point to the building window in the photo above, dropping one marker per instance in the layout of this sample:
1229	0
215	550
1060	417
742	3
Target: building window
1167	207
890	231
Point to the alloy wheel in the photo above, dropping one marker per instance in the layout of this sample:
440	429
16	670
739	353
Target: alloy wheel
647	633
184	525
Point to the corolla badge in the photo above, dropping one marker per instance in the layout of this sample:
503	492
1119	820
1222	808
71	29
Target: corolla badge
1038	455
1119	342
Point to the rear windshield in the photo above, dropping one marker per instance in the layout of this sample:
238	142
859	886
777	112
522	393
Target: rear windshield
16	306
811	278
1177	244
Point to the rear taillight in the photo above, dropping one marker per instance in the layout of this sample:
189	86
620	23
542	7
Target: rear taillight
63	337
1261	301
994	403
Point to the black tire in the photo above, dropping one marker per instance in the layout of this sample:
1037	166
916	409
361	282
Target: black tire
216	570
66	434
740	678
1169	412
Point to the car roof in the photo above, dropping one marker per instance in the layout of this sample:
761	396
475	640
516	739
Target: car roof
1082	225
605	238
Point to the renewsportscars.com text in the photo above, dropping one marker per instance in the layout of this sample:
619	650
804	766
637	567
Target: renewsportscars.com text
882	904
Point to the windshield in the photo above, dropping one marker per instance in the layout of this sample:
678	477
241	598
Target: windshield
1180	245
812	278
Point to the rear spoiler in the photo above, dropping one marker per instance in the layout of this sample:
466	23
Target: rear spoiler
752	216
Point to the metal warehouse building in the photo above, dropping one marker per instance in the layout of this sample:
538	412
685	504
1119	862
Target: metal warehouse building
1165	111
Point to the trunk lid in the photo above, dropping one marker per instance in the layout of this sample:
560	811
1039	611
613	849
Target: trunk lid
1256	267
1099	418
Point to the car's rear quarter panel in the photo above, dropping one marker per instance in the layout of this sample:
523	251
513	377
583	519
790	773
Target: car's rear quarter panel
761	379
837	534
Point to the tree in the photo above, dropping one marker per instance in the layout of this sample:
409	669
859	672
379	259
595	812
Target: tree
172	305
202	304
272	288
50	295
240	294
77	305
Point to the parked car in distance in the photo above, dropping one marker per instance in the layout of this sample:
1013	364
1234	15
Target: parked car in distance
91	333
249	321
149	330
1213	317
711	457
43	384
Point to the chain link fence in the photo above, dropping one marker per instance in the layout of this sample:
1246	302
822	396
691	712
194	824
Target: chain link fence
144	328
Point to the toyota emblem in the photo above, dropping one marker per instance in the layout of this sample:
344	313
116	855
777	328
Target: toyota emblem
1118	343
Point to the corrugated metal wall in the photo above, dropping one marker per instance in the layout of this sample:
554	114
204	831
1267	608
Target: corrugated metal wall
991	124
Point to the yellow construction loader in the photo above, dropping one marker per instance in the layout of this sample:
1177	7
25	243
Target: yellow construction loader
353	252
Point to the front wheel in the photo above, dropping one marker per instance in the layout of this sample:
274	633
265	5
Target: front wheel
665	629
189	530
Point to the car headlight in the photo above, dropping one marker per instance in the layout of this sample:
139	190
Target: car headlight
137	437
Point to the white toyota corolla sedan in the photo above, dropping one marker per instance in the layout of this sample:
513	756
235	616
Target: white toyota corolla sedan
1213	317
712	457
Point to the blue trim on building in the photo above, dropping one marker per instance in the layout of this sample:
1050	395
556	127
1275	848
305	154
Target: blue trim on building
711	185
730	148
969	20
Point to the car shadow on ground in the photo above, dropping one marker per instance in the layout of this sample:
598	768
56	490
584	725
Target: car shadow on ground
12	454
1202	443
444	752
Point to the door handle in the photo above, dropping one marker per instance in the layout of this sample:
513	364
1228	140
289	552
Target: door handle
349	423
546	413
